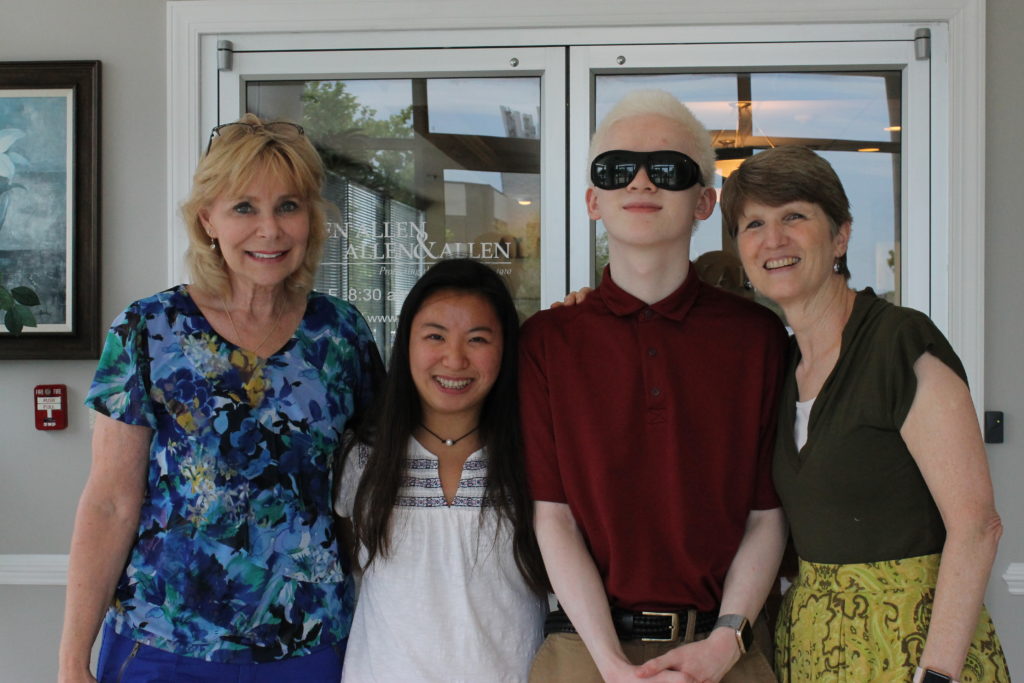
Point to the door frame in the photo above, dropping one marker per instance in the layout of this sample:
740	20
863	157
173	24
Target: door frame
958	148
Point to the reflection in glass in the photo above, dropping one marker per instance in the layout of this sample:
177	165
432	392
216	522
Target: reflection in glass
840	115
419	170
456	106
711	97
828	106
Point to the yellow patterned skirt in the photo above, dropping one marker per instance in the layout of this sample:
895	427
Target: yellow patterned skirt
863	623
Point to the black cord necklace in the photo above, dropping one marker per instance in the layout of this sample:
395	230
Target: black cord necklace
448	442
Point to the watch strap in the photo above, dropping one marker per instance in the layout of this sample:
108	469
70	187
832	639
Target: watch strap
741	626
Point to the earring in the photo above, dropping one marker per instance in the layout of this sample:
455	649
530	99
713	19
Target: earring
213	244
836	268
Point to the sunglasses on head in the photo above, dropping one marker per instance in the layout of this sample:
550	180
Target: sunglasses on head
282	129
667	169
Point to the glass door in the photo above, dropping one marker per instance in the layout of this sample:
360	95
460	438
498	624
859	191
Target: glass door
862	119
423	165
462	151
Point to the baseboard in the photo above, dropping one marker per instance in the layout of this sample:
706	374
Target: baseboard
1014	578
33	570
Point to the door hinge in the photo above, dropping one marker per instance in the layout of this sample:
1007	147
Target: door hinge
923	43
225	55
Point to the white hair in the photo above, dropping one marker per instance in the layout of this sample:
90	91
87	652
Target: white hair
658	103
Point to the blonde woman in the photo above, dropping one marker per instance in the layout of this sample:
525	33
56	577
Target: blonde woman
204	542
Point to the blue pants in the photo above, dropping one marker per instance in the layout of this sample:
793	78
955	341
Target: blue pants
121	661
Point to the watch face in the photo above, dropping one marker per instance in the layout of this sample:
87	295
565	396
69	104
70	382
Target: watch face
935	677
739	624
746	635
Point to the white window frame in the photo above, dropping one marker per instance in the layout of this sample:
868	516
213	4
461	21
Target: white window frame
958	141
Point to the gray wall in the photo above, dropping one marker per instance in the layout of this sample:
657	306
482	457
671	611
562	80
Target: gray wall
1004	313
41	473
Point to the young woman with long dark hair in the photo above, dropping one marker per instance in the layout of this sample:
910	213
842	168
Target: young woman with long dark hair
453	585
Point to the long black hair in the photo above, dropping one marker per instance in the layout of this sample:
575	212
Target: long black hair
398	413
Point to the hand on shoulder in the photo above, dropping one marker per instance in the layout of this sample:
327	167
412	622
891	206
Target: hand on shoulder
573	298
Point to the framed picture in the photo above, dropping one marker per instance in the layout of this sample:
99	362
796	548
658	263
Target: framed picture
49	205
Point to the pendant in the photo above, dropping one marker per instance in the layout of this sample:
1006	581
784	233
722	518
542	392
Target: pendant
448	442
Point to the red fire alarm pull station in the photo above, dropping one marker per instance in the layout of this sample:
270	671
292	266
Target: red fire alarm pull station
51	406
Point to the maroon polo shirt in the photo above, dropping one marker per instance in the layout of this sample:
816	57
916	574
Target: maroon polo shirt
655	424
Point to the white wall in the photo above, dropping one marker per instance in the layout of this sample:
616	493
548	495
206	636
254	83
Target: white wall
41	474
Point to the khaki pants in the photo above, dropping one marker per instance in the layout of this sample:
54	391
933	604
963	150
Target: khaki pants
563	658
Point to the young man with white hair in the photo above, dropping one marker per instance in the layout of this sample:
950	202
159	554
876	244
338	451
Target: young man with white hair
648	413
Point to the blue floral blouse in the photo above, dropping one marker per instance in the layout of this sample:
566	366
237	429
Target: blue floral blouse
235	558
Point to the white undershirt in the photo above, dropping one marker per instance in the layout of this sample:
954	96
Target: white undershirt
803	416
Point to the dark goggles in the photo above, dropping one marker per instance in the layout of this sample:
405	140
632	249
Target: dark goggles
667	169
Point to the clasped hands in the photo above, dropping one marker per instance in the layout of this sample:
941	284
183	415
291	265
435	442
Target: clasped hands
702	661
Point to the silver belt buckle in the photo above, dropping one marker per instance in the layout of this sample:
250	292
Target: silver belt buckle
674	632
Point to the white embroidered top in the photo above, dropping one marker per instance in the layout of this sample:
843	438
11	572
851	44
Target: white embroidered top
448	604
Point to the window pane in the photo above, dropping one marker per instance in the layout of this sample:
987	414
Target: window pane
456	106
852	119
711	97
420	170
821	105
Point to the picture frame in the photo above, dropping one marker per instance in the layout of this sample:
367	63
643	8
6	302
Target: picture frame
49	205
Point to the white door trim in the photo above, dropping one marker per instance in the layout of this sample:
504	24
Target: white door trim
440	23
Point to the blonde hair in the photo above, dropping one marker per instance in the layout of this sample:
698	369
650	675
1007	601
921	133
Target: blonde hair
236	157
658	103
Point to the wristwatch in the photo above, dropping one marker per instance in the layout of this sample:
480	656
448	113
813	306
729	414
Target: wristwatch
932	676
739	624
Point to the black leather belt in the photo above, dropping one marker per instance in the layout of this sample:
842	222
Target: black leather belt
651	627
